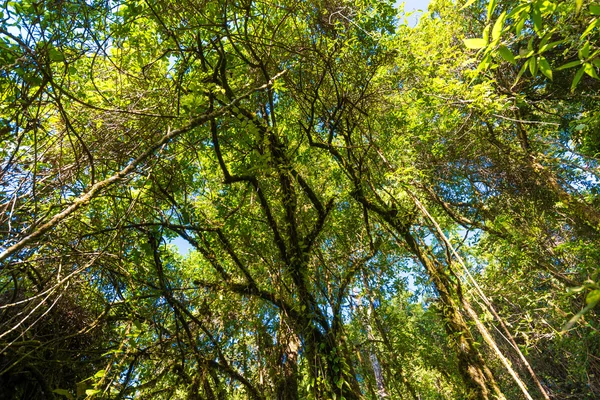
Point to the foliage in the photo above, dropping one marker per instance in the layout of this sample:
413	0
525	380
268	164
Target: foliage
371	210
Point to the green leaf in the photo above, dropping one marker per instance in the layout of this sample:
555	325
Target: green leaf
520	24
506	54
589	69
545	39
100	374
578	4
570	65
594	9
533	66
536	16
55	55
549	46
521	72
577	78
595	22
519	10
476	43
491	7
530	44
485	63
545	67
593	297
577	316
547	7
467	4
575	290
584	52
486	32
91	392
497	29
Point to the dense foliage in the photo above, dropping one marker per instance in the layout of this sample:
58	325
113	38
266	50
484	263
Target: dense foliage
372	210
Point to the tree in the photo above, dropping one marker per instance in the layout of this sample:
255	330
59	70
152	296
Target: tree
316	158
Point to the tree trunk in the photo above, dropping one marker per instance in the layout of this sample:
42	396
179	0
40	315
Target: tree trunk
287	384
477	376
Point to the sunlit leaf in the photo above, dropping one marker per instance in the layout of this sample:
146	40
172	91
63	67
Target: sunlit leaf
55	55
536	16
590	70
593	297
545	67
490	8
533	66
476	43
506	54
498	25
570	65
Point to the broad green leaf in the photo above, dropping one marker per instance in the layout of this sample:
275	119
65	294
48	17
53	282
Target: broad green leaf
550	46
589	69
545	67
570	65
595	9
490	8
593	297
497	29
584	52
577	78
530	44
520	24
476	43
594	24
486	33
533	66
91	392
55	55
536	16
100	374
519	10
521	72
506	54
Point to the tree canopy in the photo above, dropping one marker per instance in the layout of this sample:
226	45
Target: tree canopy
372	210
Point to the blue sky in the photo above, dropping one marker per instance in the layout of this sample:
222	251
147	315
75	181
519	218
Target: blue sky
415	4
412	5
